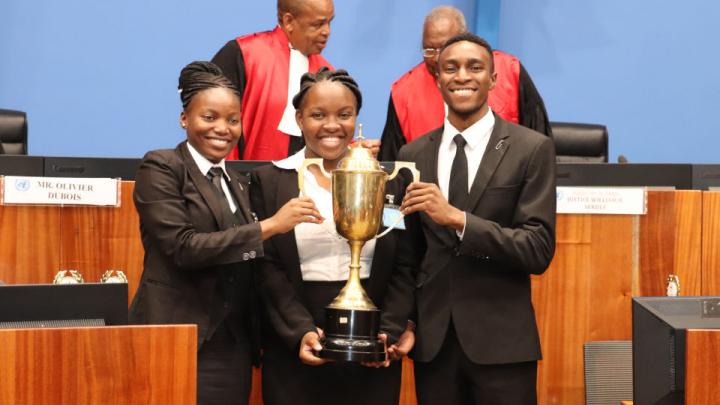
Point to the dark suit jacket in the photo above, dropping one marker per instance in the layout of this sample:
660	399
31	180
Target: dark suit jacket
280	282
483	281
186	248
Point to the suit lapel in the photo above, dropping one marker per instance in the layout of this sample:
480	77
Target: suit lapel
287	189
428	166
201	183
429	173
241	196
496	148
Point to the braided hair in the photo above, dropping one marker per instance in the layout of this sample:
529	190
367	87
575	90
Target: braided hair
341	76
199	76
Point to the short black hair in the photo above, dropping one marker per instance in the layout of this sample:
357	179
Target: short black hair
470	37
341	76
199	76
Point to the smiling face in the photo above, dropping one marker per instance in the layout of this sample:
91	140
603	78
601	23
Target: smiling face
309	29
212	122
327	120
465	77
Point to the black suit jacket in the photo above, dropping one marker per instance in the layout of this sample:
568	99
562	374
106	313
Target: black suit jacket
483	281
280	281
187	247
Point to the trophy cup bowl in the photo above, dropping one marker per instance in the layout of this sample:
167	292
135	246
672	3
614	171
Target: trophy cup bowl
352	320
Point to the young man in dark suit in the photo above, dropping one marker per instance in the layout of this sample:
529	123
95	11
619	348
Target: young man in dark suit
487	204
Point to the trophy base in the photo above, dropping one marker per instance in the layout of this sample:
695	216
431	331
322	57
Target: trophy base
351	335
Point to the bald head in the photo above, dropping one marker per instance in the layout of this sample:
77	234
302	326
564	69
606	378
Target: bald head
288	6
306	23
441	24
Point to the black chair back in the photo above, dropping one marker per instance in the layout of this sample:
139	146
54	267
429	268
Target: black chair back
13	132
580	143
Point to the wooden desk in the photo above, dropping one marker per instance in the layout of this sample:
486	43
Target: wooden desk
601	261
128	365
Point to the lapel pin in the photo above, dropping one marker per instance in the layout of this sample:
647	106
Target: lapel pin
499	144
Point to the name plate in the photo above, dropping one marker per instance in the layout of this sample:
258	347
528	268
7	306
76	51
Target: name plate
602	200
60	191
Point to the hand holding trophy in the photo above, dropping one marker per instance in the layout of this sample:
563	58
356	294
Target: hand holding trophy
358	191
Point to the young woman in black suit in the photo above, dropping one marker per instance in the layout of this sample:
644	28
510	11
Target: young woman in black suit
303	270
200	237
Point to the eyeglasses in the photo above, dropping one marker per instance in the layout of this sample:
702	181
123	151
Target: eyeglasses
430	52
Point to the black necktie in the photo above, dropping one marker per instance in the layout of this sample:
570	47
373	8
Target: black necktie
458	190
215	175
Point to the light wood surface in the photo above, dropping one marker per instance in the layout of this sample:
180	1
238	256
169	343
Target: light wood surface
106	366
702	379
711	243
670	242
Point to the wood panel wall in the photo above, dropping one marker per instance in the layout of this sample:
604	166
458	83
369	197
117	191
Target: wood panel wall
37	242
702	380
601	261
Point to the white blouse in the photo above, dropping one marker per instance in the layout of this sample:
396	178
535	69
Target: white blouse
324	255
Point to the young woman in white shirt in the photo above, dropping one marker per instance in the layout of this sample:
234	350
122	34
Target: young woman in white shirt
303	270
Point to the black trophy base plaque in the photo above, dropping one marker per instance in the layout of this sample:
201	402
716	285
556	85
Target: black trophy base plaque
351	335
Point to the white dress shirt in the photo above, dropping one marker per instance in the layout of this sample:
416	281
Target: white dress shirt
324	255
205	165
477	137
299	65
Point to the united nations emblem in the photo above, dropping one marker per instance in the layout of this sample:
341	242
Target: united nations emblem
22	184
68	277
114	277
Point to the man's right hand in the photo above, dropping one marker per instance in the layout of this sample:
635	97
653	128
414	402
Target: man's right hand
309	346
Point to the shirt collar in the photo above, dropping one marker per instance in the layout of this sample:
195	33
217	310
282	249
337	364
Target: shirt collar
203	164
474	134
292	162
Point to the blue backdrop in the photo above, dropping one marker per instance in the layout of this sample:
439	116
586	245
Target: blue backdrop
647	69
98	78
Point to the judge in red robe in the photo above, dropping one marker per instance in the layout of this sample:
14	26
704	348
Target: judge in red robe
266	67
416	106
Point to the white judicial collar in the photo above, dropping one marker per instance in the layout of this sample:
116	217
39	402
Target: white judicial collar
299	65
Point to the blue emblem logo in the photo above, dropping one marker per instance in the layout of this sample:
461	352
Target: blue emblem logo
22	184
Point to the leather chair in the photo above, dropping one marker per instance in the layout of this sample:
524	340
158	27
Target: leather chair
580	143
13	132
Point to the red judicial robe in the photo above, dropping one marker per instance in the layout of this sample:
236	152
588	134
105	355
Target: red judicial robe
416	106
259	65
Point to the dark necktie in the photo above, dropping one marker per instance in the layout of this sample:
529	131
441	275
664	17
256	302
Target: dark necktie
458	190
215	175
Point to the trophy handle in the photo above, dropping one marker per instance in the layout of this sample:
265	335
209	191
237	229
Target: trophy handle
405	165
307	163
416	177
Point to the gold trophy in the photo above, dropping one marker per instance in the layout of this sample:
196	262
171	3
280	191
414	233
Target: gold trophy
358	190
